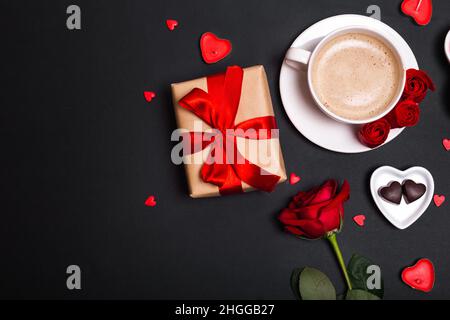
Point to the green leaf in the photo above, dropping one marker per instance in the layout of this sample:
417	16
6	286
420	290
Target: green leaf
315	285
295	277
358	274
357	294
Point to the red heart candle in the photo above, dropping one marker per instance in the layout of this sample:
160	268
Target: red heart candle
420	276
213	48
420	10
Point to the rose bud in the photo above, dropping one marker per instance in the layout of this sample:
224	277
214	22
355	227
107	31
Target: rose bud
417	85
316	213
375	133
405	114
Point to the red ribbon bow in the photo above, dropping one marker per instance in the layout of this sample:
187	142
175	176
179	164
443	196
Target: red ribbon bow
218	108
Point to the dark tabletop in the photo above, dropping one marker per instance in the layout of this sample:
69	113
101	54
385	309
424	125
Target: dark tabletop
82	150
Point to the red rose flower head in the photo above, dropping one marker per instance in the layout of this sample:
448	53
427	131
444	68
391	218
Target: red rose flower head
405	114
374	133
316	213
417	85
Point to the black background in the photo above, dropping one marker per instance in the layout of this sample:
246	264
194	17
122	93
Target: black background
82	150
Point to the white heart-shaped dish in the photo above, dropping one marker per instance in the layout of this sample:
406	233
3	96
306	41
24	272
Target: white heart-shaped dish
401	215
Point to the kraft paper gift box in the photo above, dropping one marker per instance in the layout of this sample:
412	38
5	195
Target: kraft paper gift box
254	102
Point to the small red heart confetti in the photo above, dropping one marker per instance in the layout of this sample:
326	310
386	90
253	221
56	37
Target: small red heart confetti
446	144
150	202
420	10
149	95
438	200
293	179
359	219
171	24
213	48
420	276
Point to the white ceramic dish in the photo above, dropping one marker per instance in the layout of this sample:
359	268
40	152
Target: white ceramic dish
299	104
402	215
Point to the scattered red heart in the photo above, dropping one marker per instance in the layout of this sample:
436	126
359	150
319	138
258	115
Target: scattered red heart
293	179
150	202
420	10
149	95
446	144
213	48
359	219
171	24
438	200
420	276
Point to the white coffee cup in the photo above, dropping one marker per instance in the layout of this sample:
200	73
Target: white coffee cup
307	59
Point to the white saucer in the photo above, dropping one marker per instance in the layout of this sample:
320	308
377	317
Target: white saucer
447	46
299	104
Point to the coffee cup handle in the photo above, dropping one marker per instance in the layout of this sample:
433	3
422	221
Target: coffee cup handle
298	55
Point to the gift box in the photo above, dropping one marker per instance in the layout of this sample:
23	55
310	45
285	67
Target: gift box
230	139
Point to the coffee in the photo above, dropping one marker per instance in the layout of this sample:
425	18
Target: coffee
356	76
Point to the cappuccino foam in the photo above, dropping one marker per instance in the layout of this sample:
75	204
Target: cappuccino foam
356	76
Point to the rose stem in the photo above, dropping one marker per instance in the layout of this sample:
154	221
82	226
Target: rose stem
337	251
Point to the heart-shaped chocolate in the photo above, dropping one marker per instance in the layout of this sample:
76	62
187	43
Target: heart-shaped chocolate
392	193
413	191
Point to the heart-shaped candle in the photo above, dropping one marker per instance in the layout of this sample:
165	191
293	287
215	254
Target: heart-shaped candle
420	276
213	48
420	10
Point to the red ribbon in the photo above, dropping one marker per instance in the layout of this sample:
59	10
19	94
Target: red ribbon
218	108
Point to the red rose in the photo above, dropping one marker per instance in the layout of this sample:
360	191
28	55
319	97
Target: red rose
375	133
417	85
316	213
405	114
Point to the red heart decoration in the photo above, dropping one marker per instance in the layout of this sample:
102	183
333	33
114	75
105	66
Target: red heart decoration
171	24
293	179
420	276
150	202
420	10
446	143
213	48
438	200
359	219
149	95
